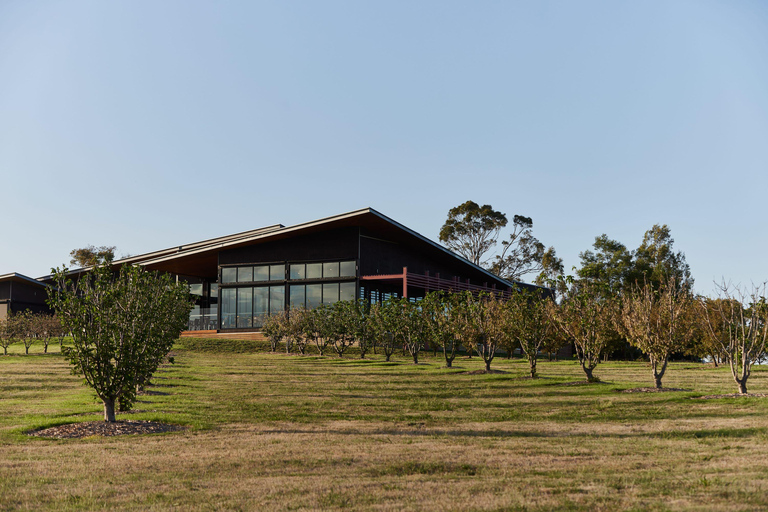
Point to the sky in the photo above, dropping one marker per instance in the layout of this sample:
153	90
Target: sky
147	125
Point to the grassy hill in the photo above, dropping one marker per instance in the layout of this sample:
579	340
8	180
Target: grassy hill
288	432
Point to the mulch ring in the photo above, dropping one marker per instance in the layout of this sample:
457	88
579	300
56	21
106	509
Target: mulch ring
104	428
481	372
651	390
731	395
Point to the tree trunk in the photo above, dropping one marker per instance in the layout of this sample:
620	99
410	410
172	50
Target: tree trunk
26	349
388	356
533	368
109	409
488	366
742	385
415	358
588	371
658	374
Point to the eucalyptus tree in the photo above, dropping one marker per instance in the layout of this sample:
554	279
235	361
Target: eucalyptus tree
658	321
528	321
738	322
123	325
472	230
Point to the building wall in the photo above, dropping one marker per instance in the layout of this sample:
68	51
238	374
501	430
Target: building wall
335	244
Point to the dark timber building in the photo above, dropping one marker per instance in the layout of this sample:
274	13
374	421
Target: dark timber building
240	279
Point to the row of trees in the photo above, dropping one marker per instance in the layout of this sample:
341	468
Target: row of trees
660	321
27	327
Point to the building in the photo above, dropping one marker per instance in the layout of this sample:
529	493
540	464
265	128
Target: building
238	280
20	293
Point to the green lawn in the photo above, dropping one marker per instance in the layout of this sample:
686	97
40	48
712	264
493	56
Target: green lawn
278	432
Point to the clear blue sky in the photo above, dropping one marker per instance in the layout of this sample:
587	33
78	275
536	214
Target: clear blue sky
148	124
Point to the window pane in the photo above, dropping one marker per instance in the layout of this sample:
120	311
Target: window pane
228	275
276	272
348	269
330	293
244	307
261	273
347	291
244	274
196	289
260	305
276	299
331	269
228	307
214	290
297	271
314	270
314	295
297	296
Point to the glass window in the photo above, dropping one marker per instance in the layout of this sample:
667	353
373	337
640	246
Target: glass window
260	305
331	269
347	291
276	299
244	307
228	307
244	274
214	290
297	271
196	289
348	269
228	275
297	296
314	295
314	270
276	272
261	273
330	293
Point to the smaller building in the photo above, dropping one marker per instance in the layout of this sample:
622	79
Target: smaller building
21	293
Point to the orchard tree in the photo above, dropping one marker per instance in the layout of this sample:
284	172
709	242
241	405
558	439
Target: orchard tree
528	322
472	230
123	325
275	328
443	317
659	322
738	322
585	316
384	322
343	323
7	337
317	327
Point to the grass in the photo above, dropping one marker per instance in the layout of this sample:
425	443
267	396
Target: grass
288	432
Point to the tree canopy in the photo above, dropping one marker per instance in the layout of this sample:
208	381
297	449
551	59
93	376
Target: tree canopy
122	325
90	255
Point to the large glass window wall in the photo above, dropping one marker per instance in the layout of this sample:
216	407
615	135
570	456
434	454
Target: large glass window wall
244	307
310	296
248	306
253	273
